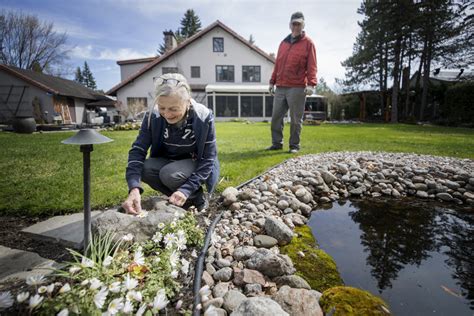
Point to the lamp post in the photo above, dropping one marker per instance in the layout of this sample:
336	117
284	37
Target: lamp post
86	138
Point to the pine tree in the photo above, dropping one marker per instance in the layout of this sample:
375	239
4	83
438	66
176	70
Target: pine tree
78	76
88	78
190	24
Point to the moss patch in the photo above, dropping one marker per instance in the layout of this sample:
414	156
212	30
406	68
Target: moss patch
316	267
345	300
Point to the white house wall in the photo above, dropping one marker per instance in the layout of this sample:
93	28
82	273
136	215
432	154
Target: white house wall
129	69
79	107
200	53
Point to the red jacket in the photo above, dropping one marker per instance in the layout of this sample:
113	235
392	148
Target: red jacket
295	64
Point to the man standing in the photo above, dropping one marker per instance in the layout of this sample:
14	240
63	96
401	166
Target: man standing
294	76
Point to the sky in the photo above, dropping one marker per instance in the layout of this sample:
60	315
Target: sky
102	32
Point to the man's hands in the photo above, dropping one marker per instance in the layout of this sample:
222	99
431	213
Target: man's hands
271	89
178	198
132	204
309	90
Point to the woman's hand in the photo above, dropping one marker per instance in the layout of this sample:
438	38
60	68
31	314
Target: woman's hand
132	204
178	198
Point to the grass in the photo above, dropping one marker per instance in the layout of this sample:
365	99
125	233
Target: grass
39	175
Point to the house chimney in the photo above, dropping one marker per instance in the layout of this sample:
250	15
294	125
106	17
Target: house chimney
170	41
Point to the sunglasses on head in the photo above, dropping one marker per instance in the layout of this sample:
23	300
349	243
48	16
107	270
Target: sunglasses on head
170	81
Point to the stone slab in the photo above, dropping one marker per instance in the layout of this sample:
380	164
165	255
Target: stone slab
67	230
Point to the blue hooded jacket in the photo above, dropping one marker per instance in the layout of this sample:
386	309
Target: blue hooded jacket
207	170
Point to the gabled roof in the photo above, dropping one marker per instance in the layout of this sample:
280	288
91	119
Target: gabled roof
52	84
184	44
136	61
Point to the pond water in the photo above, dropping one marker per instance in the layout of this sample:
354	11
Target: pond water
418	256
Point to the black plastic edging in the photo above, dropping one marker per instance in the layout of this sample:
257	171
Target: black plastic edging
198	270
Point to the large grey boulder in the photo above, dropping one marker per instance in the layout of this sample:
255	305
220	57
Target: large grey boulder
232	299
278	230
259	306
293	281
142	228
298	302
270	264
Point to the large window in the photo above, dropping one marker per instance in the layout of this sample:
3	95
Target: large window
195	72
218	44
250	73
251	106
167	70
227	106
224	73
268	105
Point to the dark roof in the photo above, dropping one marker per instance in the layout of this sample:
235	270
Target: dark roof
52	84
157	60
136	61
105	102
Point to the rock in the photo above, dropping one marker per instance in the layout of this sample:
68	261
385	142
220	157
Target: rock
214	311
230	195
264	241
248	276
270	264
421	187
232	299
324	199
293	281
142	228
357	191
468	195
422	194
452	185
243	253
252	289
222	263
216	302
444	196
282	204
259	306
327	176
207	278
220	289
224	274
246	195
210	268
278	230
298	302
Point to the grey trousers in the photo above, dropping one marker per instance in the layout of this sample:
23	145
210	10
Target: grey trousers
293	99
167	175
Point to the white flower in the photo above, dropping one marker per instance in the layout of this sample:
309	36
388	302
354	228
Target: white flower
174	274
99	298
42	289
169	240
35	279
65	288
87	263
130	283
74	269
134	296
50	288
63	312
128	237
138	257
35	301
23	296
128	307
161	225
181	240
115	306
174	258
6	300
194	253
85	282
157	237
160	301
142	214
115	287
107	261
157	259
185	266
173	224
95	284
141	310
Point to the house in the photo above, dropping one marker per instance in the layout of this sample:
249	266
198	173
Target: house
225	72
47	98
443	76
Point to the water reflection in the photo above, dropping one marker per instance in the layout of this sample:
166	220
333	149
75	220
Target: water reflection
417	255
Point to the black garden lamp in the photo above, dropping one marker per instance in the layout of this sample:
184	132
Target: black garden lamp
86	138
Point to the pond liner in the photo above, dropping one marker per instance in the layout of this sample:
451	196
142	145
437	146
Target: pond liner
200	261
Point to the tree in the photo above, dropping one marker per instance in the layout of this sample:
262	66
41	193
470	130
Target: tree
190	24
322	87
88	78
78	76
251	39
27	43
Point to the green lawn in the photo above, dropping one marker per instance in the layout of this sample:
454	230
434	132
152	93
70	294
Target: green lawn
39	175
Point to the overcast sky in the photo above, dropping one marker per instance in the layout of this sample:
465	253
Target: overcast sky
102	32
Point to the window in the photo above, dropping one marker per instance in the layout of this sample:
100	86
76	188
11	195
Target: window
225	73
227	106
218	44
167	70
195	72
251	106
268	105
250	73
